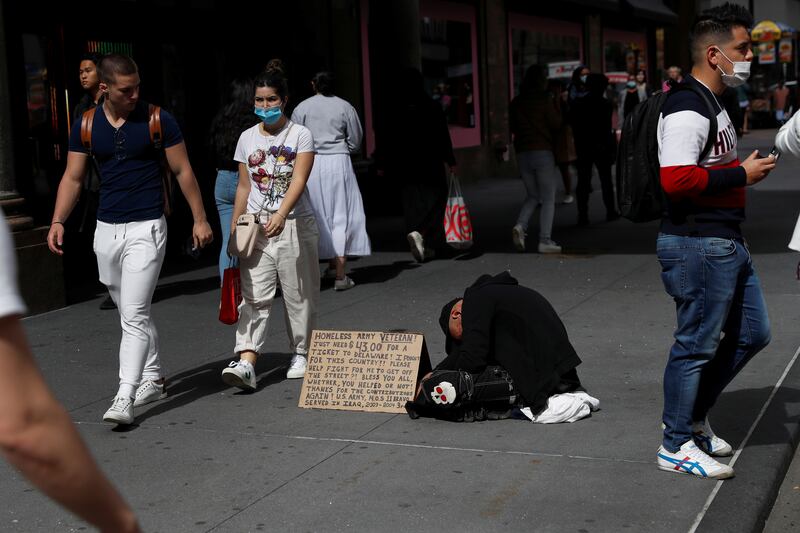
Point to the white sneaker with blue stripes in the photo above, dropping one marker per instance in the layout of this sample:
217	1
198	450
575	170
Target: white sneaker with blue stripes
690	459
707	441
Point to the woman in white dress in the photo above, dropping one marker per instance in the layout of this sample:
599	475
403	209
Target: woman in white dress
332	186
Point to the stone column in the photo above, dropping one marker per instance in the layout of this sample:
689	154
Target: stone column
10	201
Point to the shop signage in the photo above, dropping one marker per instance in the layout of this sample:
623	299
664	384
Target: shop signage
785	50
766	53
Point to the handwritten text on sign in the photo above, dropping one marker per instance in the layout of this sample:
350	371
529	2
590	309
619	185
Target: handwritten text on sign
361	370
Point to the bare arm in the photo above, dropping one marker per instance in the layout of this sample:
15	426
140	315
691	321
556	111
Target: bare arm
69	190
178	161
242	192
302	168
38	438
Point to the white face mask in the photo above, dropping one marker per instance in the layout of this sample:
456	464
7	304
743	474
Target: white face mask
741	71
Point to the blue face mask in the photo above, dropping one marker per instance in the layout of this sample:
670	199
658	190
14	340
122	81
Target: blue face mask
631	84
269	115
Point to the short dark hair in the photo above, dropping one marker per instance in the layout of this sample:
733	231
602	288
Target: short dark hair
91	56
716	24
113	65
324	83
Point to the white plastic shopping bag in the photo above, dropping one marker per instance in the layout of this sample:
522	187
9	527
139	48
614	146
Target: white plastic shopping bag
457	225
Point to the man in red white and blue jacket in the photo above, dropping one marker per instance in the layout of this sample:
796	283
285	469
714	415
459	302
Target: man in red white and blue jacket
706	266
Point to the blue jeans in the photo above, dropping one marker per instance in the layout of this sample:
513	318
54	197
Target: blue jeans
716	292
538	170
224	195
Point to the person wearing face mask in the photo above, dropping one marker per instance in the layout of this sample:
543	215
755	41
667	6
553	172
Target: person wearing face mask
706	266
275	158
629	98
577	86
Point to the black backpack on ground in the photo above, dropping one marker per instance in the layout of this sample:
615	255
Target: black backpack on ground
639	193
459	396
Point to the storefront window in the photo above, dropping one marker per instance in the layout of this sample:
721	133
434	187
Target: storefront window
449	66
551	43
623	53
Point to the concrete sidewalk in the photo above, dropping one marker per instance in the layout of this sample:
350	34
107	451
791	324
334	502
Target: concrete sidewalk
210	458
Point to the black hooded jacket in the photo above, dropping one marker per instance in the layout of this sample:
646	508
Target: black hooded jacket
515	327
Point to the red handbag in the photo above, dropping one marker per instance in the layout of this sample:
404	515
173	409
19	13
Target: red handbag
231	296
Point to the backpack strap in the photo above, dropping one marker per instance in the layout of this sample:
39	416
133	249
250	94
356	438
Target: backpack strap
87	120
156	135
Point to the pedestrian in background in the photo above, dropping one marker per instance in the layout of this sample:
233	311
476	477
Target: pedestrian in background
275	158
743	95
332	186
641	85
577	85
92	96
534	124
780	99
36	433
628	99
564	149
235	116
590	117
413	148
674	75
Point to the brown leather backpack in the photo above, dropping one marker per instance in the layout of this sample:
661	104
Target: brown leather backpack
156	137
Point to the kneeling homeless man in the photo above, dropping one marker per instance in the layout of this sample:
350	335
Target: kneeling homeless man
508	353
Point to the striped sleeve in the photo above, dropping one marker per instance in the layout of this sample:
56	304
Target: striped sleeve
683	135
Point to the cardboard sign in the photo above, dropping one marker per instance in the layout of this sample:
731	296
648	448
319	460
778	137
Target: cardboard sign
363	370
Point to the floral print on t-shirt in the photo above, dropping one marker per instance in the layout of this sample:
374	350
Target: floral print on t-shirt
271	170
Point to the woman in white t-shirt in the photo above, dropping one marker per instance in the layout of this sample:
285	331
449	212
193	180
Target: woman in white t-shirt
275	158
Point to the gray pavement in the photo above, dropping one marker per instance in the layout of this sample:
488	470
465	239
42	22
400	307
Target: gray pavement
210	458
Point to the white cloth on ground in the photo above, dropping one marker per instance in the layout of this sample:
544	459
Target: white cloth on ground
566	407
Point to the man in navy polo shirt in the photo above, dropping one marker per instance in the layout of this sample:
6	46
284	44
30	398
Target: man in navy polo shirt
131	229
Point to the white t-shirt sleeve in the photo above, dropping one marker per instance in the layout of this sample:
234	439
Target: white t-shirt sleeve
305	141
10	301
240	155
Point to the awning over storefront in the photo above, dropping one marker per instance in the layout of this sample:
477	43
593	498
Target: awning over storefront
786	30
611	5
766	31
653	10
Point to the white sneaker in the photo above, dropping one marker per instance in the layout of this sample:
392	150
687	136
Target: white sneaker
149	391
707	441
518	236
240	374
120	412
568	199
298	367
692	460
549	247
417	245
343	284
